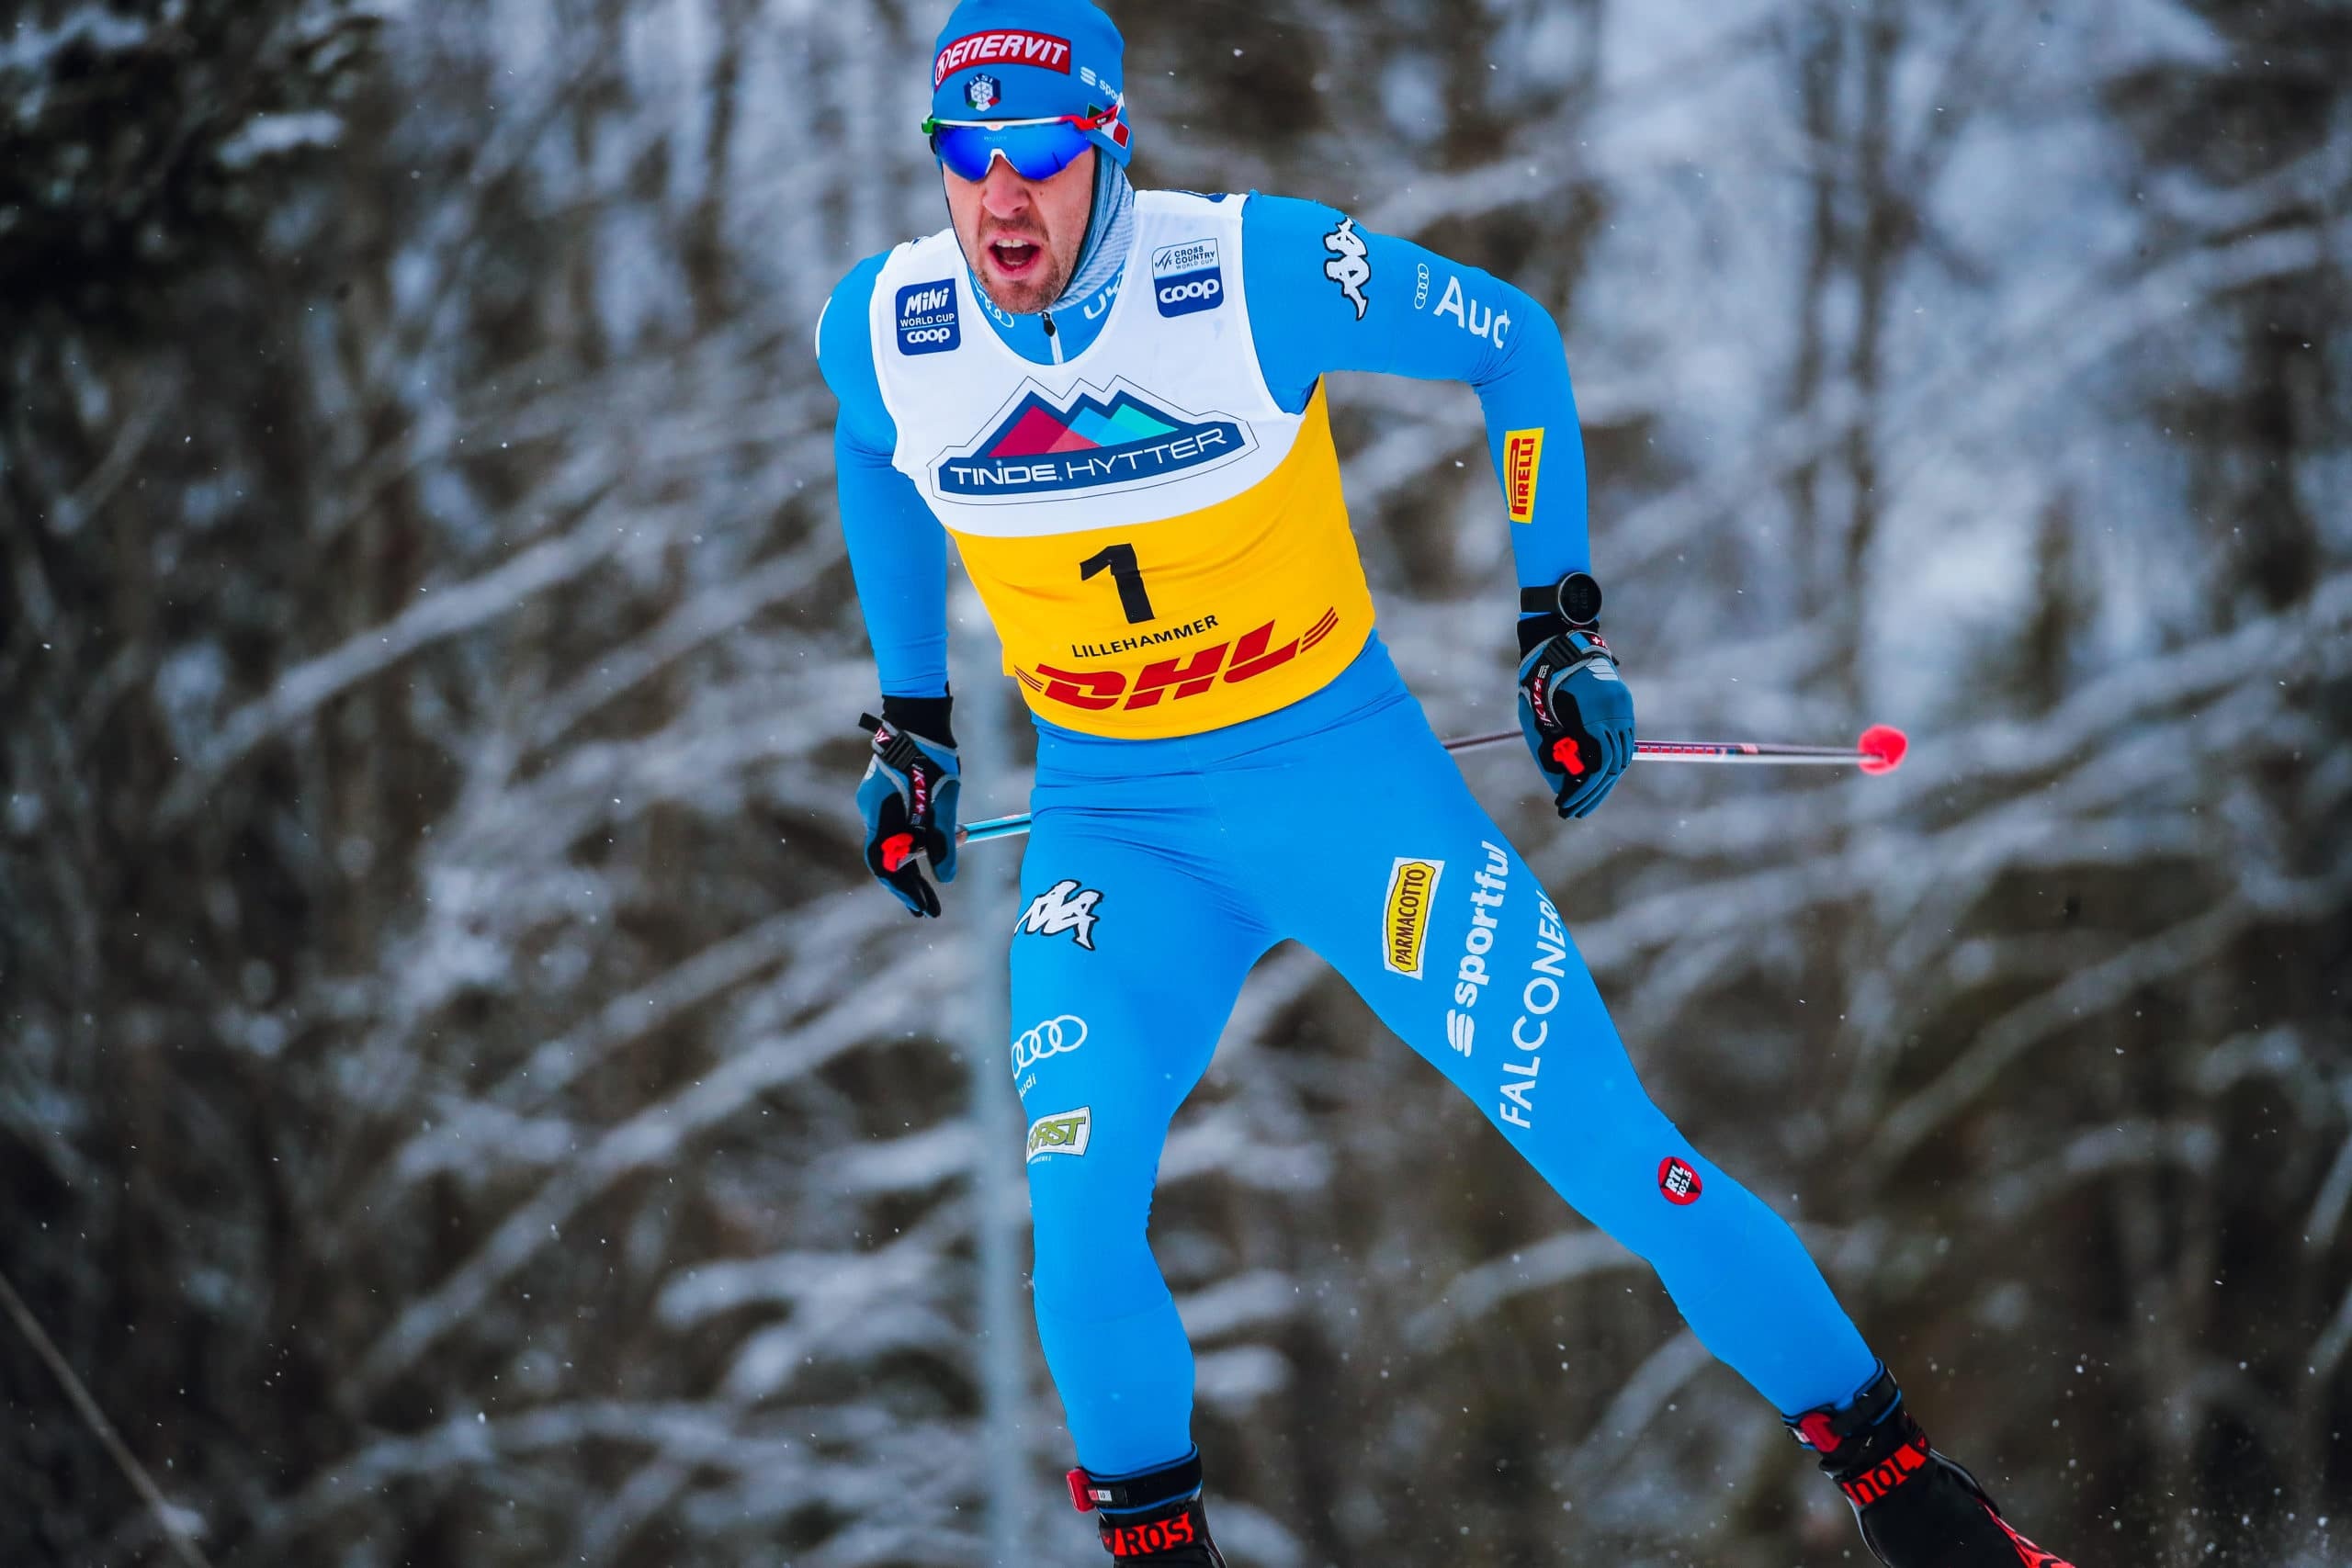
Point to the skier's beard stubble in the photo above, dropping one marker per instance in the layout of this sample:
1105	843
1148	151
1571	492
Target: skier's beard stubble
1022	237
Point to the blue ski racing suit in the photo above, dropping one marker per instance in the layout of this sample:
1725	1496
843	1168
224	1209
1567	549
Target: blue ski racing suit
1143	488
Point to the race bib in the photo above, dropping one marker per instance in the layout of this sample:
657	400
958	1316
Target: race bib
1185	623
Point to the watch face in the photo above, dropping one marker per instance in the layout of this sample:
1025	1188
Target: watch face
1580	598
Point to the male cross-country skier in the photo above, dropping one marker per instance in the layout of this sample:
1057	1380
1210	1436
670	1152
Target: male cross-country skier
1112	400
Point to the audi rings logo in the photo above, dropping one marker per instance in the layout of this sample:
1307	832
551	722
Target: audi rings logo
1050	1038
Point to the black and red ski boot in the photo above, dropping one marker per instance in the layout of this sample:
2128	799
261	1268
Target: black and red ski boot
1151	1520
1918	1509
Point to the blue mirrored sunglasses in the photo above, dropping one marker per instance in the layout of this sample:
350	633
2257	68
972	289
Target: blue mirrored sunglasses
1036	149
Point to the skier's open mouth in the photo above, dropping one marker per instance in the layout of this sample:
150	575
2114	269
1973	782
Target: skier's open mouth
1014	257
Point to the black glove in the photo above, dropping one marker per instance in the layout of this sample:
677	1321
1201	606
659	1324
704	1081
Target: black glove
1574	711
908	797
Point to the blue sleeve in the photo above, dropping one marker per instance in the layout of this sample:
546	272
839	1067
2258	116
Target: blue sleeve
897	552
1324	296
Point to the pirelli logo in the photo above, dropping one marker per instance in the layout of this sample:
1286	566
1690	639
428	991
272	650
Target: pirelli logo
1412	893
1522	465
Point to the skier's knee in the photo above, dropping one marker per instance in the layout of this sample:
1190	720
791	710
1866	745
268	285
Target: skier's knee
1083	1271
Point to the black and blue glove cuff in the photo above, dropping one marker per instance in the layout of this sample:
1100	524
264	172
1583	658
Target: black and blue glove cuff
924	717
1573	603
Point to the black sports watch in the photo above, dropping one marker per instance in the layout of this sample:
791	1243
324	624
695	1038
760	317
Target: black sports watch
1573	603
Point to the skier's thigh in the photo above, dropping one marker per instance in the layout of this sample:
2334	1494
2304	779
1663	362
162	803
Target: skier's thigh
1126	962
1433	918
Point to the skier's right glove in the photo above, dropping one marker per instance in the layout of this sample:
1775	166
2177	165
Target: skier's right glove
908	798
1574	711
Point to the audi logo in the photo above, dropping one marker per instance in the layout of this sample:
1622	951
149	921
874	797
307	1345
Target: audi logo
1050	1038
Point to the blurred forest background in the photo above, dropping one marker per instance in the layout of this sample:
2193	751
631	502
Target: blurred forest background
462	1104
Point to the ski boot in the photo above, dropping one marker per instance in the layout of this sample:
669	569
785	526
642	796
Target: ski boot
1918	1509
1151	1520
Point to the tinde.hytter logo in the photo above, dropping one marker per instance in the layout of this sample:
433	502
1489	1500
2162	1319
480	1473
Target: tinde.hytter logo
1092	441
927	320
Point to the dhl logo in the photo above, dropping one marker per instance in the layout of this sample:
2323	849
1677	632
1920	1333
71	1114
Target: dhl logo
1252	654
1522	465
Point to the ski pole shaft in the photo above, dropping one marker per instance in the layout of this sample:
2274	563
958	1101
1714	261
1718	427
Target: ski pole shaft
1879	750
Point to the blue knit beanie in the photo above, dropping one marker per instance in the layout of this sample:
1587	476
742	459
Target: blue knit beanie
1031	59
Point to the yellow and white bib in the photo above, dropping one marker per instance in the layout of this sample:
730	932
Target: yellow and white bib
1162	549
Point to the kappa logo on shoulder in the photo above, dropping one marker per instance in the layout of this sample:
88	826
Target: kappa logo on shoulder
1063	908
926	318
1351	267
1091	441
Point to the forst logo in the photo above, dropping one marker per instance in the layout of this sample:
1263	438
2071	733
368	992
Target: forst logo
1252	654
1063	1133
1187	277
1412	885
927	317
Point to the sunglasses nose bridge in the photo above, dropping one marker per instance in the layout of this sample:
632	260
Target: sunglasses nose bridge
1007	195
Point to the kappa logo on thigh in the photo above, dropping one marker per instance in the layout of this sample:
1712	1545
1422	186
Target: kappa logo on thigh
1064	906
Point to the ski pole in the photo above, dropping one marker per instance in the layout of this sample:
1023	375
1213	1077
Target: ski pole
1879	750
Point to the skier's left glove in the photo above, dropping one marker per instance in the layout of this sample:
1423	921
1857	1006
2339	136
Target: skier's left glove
908	798
1573	707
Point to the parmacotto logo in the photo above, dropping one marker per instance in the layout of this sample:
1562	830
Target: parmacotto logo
1522	465
1063	1133
1003	46
1412	889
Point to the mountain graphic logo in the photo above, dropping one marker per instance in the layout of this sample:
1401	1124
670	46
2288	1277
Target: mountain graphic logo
1089	441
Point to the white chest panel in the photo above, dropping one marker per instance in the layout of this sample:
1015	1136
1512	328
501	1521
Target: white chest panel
1164	413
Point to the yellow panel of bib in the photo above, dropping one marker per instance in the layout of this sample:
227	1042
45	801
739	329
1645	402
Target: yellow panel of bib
1192	622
